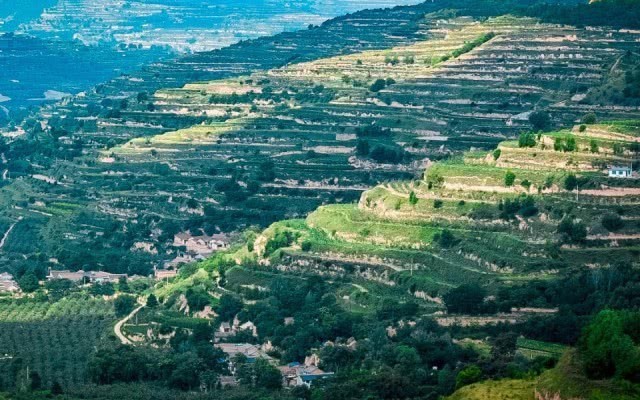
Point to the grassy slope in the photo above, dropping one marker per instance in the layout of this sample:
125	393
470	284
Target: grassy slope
508	389
564	382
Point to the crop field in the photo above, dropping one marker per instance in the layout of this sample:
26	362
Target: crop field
533	348
52	339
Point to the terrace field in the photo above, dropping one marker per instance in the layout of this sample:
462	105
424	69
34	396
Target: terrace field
262	131
462	222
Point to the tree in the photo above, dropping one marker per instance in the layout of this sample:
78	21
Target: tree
197	299
266	375
446	239
58	288
228	307
527	140
470	374
413	199
185	376
496	154
570	144
152	301
124	305
123	285
589	119
362	148
29	282
36	380
378	85
612	222
465	299
593	146
573	231
509	178
56	389
540	120
570	182
607	348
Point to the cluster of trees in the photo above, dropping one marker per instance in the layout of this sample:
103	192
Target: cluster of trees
380	84
527	140
572	230
566	144
386	154
610	346
191	362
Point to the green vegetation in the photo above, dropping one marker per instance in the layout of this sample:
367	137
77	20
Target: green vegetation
51	338
480	273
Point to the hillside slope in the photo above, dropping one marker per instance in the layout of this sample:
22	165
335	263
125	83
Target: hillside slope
503	217
221	155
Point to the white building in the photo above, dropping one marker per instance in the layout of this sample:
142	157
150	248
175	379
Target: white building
620	172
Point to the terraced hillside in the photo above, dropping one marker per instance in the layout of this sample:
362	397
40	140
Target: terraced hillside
129	165
535	209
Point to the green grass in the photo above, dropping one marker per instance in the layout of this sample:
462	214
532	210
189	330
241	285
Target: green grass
506	389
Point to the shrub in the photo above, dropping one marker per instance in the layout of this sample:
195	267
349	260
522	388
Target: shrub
446	239
413	199
570	144
378	85
470	374
570	182
589	119
509	178
582	128
571	230
612	222
437	203
496	154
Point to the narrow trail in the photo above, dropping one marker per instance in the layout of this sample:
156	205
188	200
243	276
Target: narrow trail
117	329
6	234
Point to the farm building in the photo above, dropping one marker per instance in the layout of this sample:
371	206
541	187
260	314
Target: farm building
250	351
161	274
620	172
8	284
89	276
296	374
203	244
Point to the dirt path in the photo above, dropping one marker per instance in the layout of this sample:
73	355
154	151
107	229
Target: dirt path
6	234
117	329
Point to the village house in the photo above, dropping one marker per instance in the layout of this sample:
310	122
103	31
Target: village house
203	244
104	277
250	351
66	274
8	284
183	259
230	329
82	276
296	374
162	274
620	172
